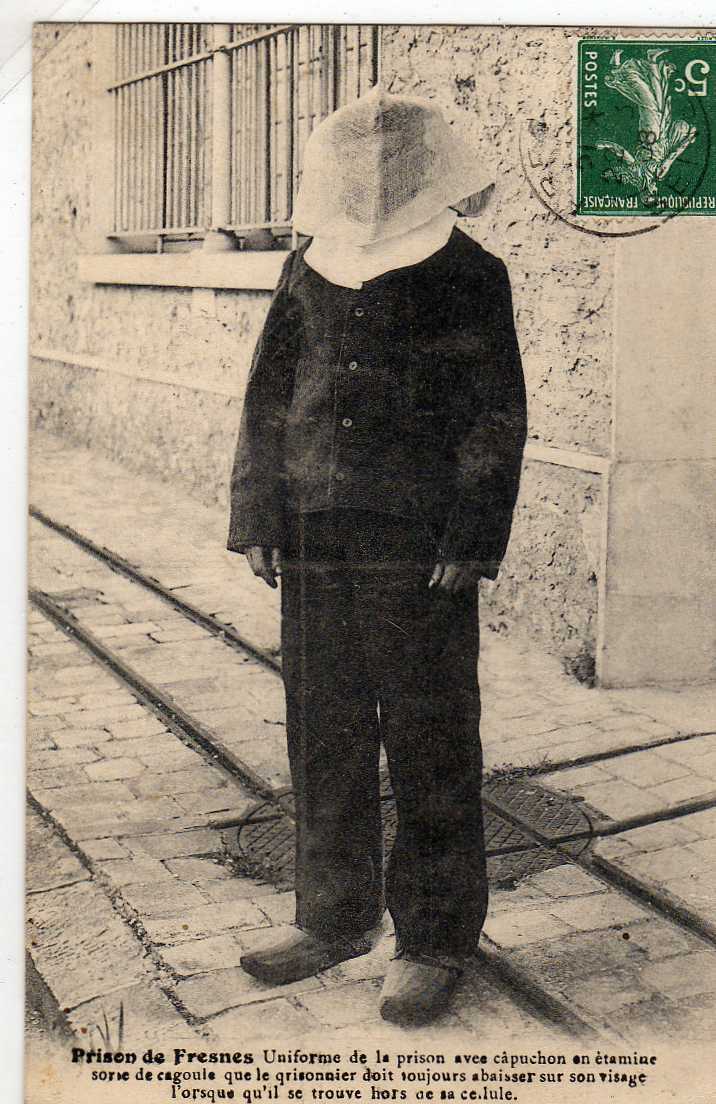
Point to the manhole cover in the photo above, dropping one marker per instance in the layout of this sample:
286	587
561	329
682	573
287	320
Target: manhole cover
264	845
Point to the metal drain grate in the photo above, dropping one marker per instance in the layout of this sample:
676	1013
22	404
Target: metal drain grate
264	847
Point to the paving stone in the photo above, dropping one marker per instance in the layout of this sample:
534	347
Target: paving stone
119	818
683	789
280	908
591	913
343	1005
566	881
148	1014
234	889
159	743
62	757
657	837
115	768
51	778
105	715
683	976
524	926
177	782
620	799
161	899
206	920
123	872
147	725
276	1019
49	862
168	759
223	799
603	995
118	632
52	707
40	743
81	737
581	954
209	994
44	726
202	955
661	866
101	849
195	869
78	925
171	635
111	698
68	797
647	769
578	776
659	940
170	845
704	823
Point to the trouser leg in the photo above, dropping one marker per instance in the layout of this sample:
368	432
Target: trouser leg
333	739
422	648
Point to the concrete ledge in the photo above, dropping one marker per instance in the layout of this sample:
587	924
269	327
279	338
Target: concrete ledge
247	271
544	454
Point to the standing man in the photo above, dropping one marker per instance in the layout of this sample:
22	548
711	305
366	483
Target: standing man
376	471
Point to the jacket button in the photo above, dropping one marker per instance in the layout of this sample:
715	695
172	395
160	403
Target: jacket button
353	365
340	477
347	423
359	312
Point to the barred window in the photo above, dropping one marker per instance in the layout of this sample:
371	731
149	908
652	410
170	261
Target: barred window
211	122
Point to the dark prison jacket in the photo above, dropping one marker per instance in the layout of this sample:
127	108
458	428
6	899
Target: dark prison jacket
406	397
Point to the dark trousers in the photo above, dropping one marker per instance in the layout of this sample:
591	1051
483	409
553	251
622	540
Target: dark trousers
371	654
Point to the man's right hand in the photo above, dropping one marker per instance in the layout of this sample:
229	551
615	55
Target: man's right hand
265	563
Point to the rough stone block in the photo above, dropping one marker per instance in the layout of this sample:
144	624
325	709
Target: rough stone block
115	769
209	994
196	869
208	920
82	948
170	845
275	1019
202	955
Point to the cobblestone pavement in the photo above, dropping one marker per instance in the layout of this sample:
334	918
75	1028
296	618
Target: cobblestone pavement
133	901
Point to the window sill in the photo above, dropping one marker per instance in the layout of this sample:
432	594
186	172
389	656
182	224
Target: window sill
245	271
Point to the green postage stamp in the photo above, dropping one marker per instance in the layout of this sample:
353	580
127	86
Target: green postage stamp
646	127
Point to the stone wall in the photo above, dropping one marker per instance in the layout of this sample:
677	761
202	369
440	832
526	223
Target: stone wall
159	377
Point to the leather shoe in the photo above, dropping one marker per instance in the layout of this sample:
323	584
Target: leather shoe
298	954
418	986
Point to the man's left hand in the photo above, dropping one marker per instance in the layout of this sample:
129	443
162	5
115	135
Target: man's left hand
454	577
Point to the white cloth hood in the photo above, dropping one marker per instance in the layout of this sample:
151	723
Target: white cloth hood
381	166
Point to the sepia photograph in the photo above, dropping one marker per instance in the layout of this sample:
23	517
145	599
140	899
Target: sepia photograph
371	718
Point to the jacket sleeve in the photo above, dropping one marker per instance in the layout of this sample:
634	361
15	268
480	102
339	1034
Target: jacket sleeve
490	431
257	484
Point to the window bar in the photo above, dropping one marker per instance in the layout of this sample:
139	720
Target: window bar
273	116
129	125
239	133
155	216
170	216
136	132
234	145
290	71
265	125
144	91
181	144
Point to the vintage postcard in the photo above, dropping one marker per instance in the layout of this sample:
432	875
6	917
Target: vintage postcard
371	676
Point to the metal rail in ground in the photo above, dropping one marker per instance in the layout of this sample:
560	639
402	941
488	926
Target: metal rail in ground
229	636
521	990
191	730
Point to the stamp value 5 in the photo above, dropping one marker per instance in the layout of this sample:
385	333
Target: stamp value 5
646	126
